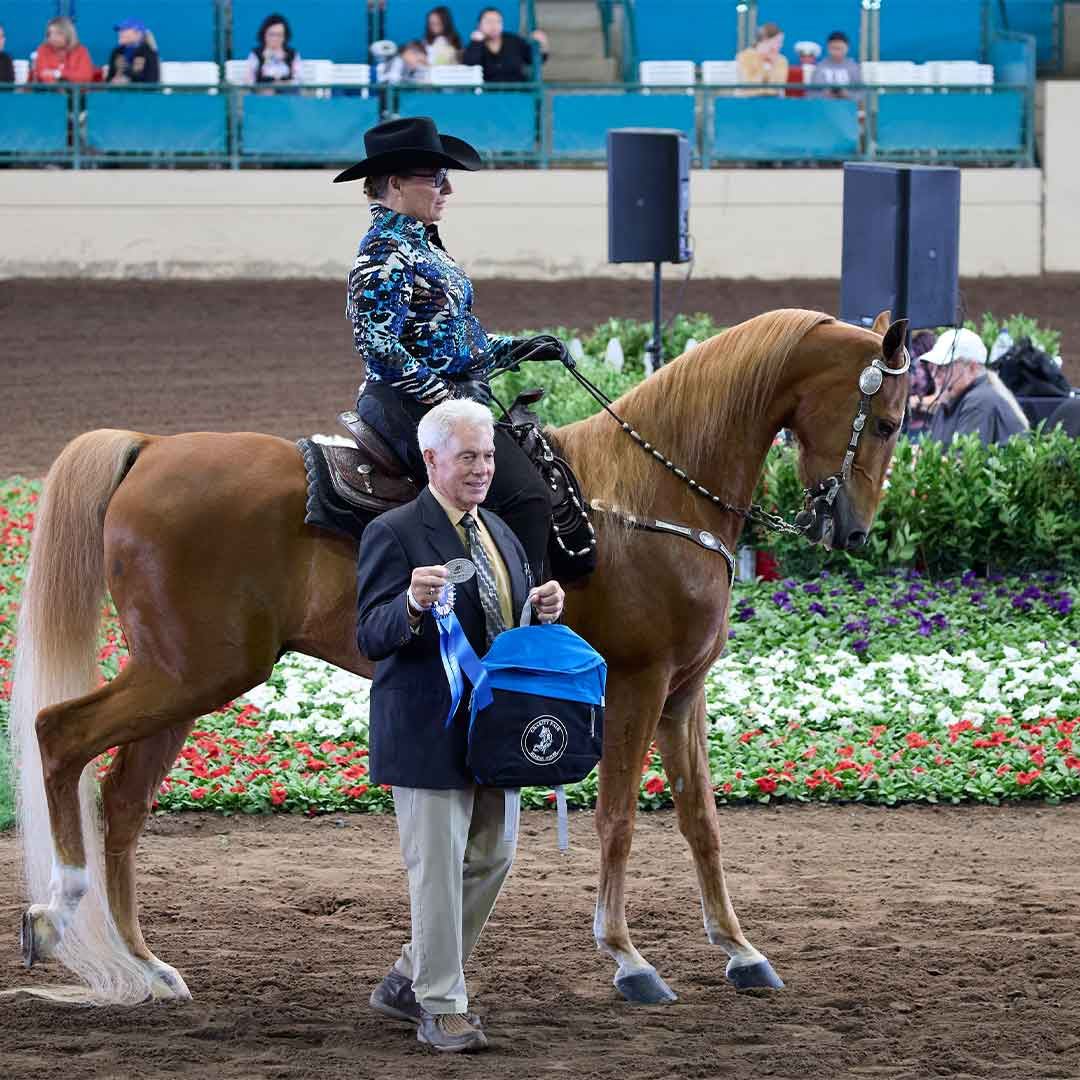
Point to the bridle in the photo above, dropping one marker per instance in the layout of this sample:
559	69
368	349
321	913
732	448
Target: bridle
822	495
819	498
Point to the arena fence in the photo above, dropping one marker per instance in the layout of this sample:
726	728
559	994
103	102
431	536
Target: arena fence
522	124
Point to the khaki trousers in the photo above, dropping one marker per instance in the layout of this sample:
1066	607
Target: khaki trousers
457	859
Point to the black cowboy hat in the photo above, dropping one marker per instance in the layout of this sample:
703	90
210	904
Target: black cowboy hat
408	143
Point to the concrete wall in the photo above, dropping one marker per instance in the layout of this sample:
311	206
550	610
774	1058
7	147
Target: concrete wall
1062	168
769	223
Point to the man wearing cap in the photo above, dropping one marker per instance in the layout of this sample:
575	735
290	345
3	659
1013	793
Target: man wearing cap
410	306
970	398
135	58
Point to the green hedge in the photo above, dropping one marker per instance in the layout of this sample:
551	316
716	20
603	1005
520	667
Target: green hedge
1009	508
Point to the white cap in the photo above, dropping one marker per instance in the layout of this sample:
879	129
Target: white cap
804	47
956	345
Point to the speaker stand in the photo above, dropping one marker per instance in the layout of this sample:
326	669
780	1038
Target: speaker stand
654	351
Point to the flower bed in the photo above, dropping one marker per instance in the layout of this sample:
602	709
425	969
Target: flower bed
885	690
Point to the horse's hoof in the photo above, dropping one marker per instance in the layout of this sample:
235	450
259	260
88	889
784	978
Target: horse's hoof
167	984
645	988
37	936
759	976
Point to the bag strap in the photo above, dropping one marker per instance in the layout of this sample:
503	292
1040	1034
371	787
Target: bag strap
526	614
511	814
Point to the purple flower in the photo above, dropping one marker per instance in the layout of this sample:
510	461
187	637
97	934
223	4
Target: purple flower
872	601
812	588
746	613
730	634
939	621
968	579
925	629
1063	604
836	592
817	609
891	620
860	645
1021	604
858	585
977	597
782	600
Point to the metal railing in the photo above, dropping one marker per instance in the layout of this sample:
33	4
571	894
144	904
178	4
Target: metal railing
543	126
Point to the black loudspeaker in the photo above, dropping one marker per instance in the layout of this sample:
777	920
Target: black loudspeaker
648	195
901	244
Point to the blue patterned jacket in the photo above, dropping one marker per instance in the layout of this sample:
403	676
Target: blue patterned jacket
410	306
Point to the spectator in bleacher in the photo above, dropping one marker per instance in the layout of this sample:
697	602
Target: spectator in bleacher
441	39
505	57
970	398
409	66
763	62
7	65
801	73
837	70
273	61
135	58
921	389
60	57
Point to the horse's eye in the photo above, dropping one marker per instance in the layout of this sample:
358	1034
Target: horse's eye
885	429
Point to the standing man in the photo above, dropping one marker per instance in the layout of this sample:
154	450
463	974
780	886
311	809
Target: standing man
451	829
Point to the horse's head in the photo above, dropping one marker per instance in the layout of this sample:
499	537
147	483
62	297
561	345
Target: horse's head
849	408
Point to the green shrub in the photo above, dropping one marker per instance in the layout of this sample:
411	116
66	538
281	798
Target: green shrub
7	785
1018	326
1009	507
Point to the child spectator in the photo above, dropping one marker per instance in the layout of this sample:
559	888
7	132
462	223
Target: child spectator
135	58
273	61
505	57
60	57
441	39
409	66
802	72
836	70
763	62
7	66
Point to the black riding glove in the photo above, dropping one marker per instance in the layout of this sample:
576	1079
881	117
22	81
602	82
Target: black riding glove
475	390
541	347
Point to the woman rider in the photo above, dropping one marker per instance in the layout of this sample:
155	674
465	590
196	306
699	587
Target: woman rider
410	306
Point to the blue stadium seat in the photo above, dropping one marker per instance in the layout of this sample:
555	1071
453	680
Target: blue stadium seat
321	29
1040	18
288	126
24	24
497	123
149	122
580	121
1013	57
405	18
950	31
801	21
955	123
775	129
183	29
33	123
690	30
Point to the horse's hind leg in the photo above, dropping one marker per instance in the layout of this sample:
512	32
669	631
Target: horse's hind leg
127	796
633	705
683	744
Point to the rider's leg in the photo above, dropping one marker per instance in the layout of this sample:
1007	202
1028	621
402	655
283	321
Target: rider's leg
518	495
395	416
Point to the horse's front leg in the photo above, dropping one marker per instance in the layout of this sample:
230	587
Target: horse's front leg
633	708
683	744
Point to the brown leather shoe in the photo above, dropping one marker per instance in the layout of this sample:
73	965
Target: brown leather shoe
452	1033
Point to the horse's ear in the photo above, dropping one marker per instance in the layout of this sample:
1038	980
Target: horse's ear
881	323
894	339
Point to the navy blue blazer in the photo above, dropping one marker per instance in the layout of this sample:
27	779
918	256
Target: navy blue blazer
409	741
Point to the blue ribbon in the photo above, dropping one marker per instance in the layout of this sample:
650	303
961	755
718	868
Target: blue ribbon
460	659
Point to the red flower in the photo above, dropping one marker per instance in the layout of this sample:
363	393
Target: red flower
355	772
746	736
727	787
356	791
846	751
1025	778
840	766
278	794
1001	770
1063	745
955	729
199	792
1072	762
328	747
238	788
315	765
654	785
766	784
916	740
1003	721
1036	755
809	753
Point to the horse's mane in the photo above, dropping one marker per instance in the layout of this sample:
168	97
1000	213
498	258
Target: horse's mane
725	381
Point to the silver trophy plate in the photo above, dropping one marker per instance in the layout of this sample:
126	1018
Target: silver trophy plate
460	570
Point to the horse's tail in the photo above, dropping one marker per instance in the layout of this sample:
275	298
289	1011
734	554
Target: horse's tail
56	660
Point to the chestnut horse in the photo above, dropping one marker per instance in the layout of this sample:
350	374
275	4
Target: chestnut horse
200	540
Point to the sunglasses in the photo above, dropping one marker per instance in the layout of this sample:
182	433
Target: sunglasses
437	179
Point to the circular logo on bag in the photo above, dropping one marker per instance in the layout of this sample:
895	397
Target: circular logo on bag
544	740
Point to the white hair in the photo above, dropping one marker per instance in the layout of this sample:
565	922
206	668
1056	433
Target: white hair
1009	398
435	427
